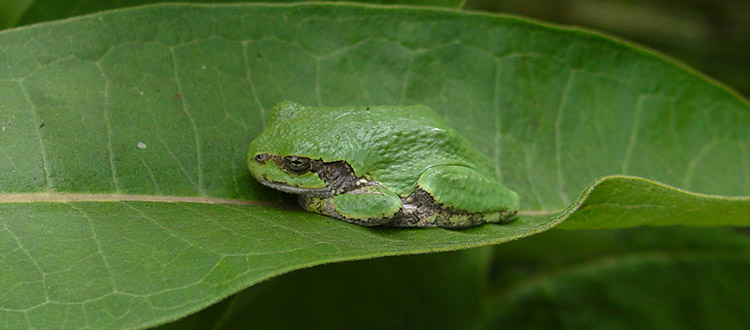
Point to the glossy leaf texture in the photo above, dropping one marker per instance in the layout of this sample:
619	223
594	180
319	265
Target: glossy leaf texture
47	10
124	199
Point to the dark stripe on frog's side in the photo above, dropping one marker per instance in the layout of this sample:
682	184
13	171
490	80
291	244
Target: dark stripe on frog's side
338	176
419	209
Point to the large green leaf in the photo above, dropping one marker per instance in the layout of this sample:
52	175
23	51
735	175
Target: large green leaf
125	200
47	10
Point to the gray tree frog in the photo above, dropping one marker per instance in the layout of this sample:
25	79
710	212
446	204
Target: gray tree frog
379	165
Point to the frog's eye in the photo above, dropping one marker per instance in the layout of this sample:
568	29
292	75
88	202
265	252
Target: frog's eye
297	164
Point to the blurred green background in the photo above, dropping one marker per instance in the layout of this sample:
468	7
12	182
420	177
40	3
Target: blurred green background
11	12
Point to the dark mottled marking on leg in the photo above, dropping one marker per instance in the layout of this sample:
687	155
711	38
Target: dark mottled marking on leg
338	176
421	210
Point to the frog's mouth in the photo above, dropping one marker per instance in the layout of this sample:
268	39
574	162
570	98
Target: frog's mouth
315	192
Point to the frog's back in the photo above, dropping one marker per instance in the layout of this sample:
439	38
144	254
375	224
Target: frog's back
392	144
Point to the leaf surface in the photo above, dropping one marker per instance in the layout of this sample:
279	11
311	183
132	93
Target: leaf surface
124	199
48	10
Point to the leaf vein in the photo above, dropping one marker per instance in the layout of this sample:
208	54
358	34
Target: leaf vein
42	149
196	138
558	138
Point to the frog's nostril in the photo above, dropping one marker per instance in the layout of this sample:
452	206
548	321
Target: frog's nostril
260	157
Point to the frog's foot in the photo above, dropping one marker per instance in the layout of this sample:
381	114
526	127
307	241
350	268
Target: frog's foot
367	206
455	196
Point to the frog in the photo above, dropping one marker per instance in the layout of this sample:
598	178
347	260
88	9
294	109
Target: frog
400	166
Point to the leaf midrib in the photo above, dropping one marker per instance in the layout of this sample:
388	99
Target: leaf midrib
87	197
84	197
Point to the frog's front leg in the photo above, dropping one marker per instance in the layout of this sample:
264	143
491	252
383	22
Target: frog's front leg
460	196
367	206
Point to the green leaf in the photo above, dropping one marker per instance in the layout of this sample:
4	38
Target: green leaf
138	263
124	199
618	201
47	10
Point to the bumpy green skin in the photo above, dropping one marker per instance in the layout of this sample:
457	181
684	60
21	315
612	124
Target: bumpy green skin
380	165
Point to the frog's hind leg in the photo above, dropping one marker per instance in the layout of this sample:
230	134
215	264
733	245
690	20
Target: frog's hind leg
367	206
456	196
